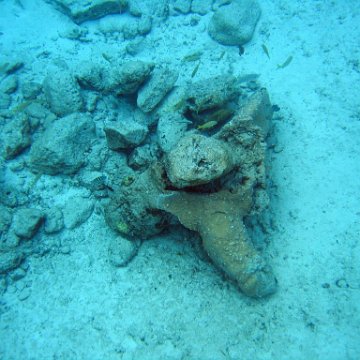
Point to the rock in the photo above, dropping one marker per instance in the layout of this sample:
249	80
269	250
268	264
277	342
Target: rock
201	7
62	93
142	156
160	83
93	180
10	260
54	220
122	135
16	137
129	76
17	274
155	9
5	101
84	10
5	219
171	128
61	148
195	160
211	93
27	222
9	85
77	211
181	6
93	76
234	24
122	251
31	90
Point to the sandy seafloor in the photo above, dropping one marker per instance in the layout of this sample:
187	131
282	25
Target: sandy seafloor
167	303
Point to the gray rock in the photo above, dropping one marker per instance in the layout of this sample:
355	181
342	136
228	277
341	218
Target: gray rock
16	137
9	85
211	93
62	93
27	222
31	90
171	128
196	160
54	220
5	218
122	251
17	274
156	9
160	83
182	6
234	24
129	76
5	101
10	260
142	156
122	135
93	76
77	211
201	7
84	10
61	149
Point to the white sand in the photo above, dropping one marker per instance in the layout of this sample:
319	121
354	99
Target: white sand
168	303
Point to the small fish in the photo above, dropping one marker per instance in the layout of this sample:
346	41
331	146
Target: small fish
286	63
222	55
241	50
21	107
266	51
106	57
193	57
196	68
208	125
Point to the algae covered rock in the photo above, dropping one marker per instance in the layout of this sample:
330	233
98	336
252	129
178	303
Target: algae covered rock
62	93
160	83
211	93
27	222
121	135
197	159
61	148
83	10
234	24
16	137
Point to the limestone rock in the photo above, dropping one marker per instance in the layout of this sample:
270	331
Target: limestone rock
122	135
54	220
10	260
62	93
83	10
195	160
9	85
122	251
77	211
16	137
155	9
129	76
27	222
182	6
161	82
61	148
211	93
234	24
201	7
171	128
